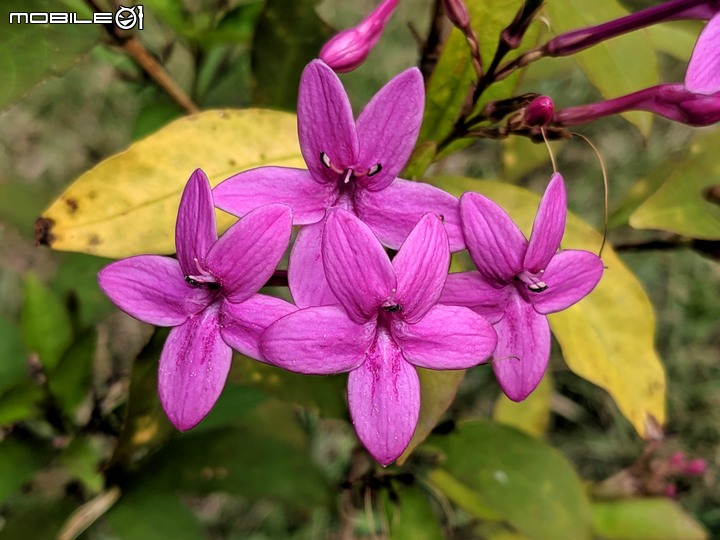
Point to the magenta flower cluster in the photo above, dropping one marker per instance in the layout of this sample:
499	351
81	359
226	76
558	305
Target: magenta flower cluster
356	309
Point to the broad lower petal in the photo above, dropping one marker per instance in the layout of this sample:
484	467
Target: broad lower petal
549	226
384	400
421	267
356	266
195	230
392	212
388	128
703	72
496	245
325	122
151	288
448	337
194	366
470	289
570	276
252	189
241	325
317	341
306	273
523	349
245	257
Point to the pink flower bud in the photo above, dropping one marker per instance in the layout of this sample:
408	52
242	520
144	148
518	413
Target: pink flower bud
457	12
539	112
695	467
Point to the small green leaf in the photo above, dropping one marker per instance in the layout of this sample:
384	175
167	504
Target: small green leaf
20	403
70	380
18	462
412	517
532	415
82	459
13	359
76	282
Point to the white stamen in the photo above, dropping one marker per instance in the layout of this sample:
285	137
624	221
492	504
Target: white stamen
348	174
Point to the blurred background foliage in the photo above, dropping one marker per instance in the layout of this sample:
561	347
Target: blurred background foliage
85	450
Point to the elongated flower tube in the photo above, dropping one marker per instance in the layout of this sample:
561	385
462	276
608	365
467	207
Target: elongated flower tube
348	49
208	295
387	323
351	165
518	282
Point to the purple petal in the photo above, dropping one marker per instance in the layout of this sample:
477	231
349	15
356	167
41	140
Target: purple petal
421	267
523	349
448	337
247	254
569	277
703	72
325	122
317	341
549	226
388	128
306	274
194	365
195	231
356	266
241	325
252	189
384	399
392	212
496	245
151	288
470	289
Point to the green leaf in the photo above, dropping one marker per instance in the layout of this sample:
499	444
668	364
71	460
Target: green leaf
70	380
532	415
128	203
608	337
645	519
526	482
681	204
617	66
39	518
20	403
236	27
76	281
82	459
521	156
18	463
412	517
676	38
46	326
13	359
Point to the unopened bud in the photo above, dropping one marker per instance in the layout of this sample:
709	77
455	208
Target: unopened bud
696	467
539	112
457	12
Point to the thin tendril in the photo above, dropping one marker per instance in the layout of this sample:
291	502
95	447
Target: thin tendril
367	499
552	156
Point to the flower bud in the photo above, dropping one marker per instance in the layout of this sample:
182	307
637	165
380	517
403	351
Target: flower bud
696	467
457	12
539	112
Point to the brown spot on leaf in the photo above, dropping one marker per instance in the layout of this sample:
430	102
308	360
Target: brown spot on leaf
712	194
94	240
72	205
92	195
43	231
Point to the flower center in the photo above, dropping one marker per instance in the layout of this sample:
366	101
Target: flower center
533	281
349	172
202	279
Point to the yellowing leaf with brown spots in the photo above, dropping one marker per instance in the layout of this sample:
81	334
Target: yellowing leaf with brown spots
128	203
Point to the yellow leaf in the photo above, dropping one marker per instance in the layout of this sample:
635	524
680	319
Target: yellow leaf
531	415
606	338
128	203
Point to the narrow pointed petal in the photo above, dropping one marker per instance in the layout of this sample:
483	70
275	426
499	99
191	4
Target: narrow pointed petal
151	288
247	254
325	122
384	400
570	276
470	289
448	337
496	245
421	267
241	325
317	341
703	72
523	349
195	230
392	212
388	128
252	189
194	366
549	226
306	273
356	266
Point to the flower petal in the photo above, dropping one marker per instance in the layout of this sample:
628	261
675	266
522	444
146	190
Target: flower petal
388	128
252	189
448	337
496	245
317	341
384	400
421	267
470	289
703	72
523	349
306	273
356	266
569	277
151	288
392	212
194	366
195	230
325	122
241	325
548	227
247	254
